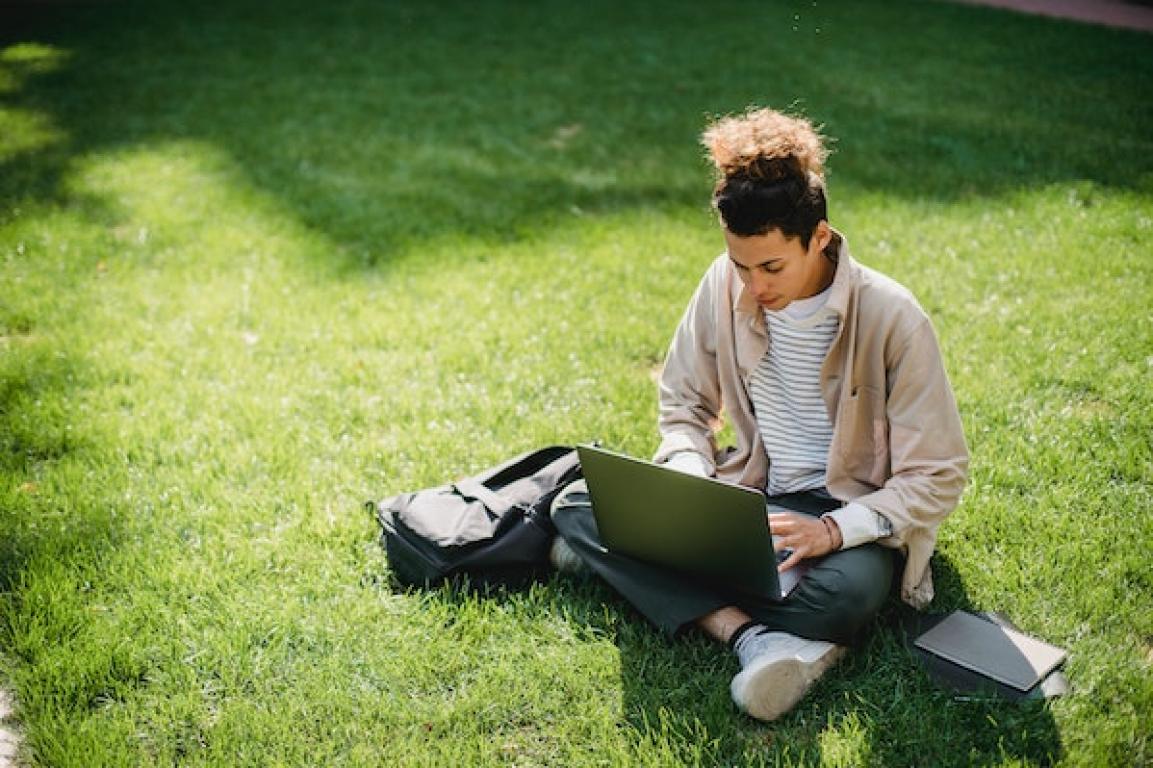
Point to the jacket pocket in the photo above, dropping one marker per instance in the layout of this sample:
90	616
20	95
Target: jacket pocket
862	436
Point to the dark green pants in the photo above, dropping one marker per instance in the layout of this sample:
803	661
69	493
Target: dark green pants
835	601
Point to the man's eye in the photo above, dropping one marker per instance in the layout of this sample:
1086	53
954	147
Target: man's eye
770	269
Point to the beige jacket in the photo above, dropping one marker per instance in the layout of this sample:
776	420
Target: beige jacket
897	447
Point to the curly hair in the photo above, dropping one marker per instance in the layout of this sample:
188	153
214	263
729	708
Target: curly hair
771	169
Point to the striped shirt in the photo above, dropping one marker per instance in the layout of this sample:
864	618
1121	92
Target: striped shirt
786	395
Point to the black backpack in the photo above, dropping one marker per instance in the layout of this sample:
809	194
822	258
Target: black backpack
493	529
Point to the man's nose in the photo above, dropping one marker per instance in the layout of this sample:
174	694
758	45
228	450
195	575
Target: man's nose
758	281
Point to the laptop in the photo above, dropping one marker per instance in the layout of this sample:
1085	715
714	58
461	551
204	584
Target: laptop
700	526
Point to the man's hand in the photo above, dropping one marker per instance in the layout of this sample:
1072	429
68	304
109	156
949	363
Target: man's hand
806	536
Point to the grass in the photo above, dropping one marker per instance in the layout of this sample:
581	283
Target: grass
258	265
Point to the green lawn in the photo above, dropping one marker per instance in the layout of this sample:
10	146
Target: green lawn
260	262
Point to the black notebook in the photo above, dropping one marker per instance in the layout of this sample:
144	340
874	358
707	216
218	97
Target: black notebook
999	653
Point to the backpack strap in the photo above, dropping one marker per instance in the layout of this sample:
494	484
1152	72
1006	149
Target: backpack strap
470	488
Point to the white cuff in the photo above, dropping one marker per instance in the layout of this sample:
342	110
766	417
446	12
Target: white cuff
689	462
858	524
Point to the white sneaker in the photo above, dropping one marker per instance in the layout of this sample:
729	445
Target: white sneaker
562	557
777	670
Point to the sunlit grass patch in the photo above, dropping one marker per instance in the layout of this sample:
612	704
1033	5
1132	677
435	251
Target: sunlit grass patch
23	131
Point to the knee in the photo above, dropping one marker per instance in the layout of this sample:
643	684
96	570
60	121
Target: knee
863	588
860	599
858	592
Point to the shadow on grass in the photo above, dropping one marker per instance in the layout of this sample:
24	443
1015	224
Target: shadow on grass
382	125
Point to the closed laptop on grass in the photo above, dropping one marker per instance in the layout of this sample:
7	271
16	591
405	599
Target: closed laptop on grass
701	526
1010	657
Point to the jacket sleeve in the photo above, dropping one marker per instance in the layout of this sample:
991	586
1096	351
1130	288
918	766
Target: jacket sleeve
689	387
927	453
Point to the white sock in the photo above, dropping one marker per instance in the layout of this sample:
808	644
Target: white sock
750	642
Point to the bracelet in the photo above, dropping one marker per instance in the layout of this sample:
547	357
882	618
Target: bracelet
829	530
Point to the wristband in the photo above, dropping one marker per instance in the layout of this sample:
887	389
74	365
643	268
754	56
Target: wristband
829	530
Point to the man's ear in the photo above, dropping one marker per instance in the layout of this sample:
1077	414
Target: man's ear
822	236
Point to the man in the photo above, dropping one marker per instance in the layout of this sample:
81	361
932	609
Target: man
832	379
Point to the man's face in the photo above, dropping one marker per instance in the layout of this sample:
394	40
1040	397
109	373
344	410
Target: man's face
779	270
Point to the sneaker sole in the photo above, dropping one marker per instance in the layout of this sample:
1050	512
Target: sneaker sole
771	689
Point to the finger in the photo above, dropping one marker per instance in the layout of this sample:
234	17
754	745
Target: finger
790	561
781	523
783	541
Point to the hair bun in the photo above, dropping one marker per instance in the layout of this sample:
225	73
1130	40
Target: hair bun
766	144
